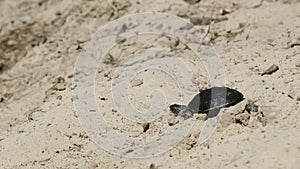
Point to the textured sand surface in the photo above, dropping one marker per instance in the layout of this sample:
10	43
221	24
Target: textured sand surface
40	41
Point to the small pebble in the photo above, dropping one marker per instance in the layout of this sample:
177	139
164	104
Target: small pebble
200	116
200	20
192	2
135	83
103	98
11	42
146	127
270	70
1	67
225	11
152	166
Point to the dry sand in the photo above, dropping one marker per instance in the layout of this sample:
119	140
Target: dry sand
40	41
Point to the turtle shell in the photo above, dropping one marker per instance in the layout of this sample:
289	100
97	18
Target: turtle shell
214	98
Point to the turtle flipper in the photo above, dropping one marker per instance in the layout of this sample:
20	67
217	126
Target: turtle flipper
186	113
213	113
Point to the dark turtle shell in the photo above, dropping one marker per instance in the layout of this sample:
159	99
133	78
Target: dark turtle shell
210	99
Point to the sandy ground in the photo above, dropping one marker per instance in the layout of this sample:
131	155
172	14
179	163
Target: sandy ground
40	41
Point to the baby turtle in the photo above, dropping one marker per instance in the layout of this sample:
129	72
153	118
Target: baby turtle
209	100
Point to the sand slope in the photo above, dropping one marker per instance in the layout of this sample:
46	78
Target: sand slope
41	40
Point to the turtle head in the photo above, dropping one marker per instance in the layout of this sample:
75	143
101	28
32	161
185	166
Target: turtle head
181	110
176	108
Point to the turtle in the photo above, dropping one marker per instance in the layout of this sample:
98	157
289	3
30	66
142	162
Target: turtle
209	101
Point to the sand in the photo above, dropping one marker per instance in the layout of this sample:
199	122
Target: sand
40	42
